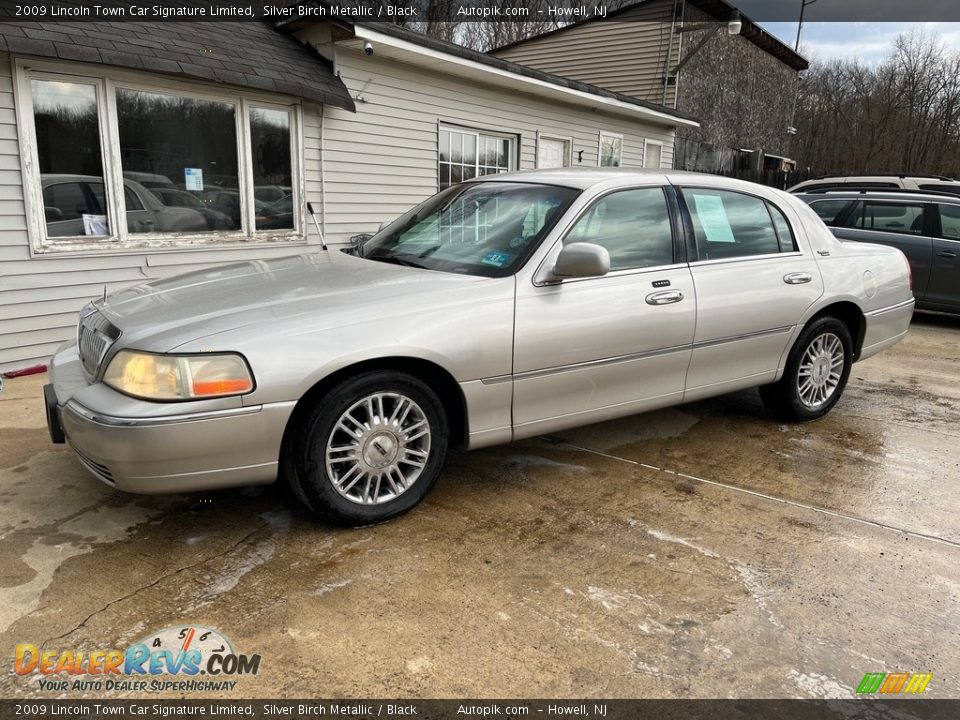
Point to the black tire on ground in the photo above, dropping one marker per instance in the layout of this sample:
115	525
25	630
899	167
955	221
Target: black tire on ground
783	398
305	456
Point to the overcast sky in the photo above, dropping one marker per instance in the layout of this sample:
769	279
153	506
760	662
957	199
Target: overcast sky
871	42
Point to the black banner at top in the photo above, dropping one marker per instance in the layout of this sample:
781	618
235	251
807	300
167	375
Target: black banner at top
414	11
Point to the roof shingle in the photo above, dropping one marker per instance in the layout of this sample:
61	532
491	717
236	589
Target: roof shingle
211	50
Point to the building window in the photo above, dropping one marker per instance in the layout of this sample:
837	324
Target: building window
272	168
180	166
466	154
66	118
179	143
611	150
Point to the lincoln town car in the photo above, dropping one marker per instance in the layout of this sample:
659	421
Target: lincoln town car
501	308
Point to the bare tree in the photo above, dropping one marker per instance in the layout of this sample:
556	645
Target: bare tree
902	115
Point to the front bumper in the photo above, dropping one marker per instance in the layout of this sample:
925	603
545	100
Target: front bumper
196	448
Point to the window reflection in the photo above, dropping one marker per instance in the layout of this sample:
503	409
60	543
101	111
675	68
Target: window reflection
67	126
172	148
272	175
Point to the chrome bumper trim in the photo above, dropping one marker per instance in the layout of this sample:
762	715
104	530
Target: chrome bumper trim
113	421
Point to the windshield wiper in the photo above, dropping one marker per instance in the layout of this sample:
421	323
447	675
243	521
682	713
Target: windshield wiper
399	260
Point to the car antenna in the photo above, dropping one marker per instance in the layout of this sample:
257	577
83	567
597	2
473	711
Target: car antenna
319	232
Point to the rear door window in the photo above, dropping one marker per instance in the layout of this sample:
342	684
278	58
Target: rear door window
893	217
69	198
830	210
949	221
729	224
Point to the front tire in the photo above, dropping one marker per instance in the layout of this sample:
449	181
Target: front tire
371	449
817	371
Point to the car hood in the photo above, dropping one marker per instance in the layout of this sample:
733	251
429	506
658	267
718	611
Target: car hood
332	287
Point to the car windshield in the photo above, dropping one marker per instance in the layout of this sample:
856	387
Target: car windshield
486	228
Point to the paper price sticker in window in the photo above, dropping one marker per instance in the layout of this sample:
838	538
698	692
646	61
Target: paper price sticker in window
713	218
193	179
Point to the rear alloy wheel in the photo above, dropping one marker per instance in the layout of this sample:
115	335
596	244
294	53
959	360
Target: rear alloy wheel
371	449
816	374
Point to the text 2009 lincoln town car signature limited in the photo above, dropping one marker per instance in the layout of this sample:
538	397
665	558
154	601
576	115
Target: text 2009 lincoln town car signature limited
502	308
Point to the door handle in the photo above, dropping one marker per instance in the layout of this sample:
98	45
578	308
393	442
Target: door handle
665	297
946	254
797	278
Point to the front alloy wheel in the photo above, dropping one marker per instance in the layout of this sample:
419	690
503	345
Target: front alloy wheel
370	449
378	448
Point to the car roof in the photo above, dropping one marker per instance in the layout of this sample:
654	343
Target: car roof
583	178
881	195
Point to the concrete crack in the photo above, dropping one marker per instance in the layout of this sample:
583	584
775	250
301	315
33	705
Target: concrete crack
156	582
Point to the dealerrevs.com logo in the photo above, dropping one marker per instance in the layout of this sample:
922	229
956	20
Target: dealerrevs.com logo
175	659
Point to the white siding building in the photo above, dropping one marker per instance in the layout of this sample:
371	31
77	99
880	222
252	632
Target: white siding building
219	134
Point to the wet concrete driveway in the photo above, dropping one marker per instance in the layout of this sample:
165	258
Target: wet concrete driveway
699	551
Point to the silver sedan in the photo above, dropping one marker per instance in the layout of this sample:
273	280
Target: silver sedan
499	309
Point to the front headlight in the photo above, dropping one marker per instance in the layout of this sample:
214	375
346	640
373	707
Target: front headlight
178	377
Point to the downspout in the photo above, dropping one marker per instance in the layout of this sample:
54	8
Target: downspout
676	85
666	69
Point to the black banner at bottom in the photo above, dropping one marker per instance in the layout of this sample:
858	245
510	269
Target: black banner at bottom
872	709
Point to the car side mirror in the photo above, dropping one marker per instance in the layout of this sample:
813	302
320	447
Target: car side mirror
580	260
52	214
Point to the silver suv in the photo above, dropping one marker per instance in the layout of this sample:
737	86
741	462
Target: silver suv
880	183
926	228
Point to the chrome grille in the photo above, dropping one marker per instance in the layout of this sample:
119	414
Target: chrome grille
95	335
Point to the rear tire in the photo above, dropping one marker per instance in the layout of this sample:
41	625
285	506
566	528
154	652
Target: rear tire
817	371
370	450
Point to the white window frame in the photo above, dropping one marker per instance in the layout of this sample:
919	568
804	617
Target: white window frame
646	144
513	138
562	138
106	81
604	134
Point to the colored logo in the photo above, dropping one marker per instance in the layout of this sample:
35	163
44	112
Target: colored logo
893	683
190	651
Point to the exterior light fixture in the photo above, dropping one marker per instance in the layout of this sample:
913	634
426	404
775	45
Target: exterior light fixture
734	24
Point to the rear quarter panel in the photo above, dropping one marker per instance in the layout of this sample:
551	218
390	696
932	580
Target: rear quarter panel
873	277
